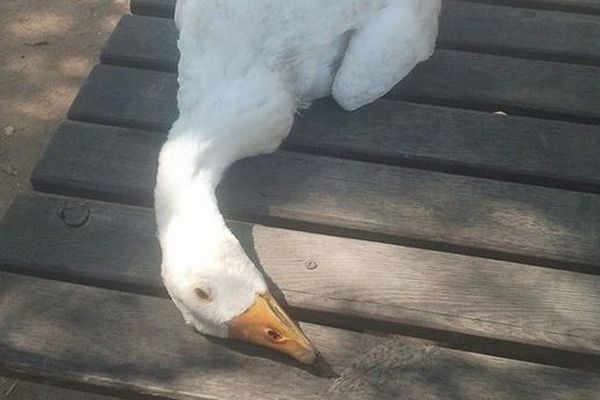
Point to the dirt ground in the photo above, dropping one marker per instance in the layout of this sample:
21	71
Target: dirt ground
47	48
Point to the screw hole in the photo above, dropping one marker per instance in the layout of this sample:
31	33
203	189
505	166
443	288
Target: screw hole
75	216
311	265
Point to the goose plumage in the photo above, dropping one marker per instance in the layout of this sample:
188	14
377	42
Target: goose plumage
246	67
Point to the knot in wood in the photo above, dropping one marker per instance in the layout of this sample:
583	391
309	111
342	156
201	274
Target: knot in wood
75	216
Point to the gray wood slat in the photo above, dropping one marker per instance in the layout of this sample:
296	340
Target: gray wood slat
540	34
112	95
14	389
388	203
137	344
164	8
576	6
455	78
144	42
129	344
516	86
155	8
519	149
555	314
464	25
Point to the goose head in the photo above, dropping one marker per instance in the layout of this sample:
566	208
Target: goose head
221	292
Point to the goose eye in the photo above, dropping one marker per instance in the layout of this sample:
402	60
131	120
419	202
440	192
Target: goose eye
202	294
274	335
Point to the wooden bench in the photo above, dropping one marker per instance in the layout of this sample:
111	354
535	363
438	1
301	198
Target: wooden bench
432	247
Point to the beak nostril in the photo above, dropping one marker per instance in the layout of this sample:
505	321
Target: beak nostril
266	324
274	335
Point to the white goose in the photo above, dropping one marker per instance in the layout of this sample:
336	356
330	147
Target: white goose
246	66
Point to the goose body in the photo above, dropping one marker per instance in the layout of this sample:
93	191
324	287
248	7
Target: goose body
246	67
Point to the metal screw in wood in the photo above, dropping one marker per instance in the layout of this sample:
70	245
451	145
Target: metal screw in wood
311	265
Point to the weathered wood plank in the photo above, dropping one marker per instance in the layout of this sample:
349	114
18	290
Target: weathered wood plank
529	33
117	248
130	344
107	96
484	81
151	42
481	81
155	8
14	389
517	86
165	8
388	203
575	6
144	42
519	149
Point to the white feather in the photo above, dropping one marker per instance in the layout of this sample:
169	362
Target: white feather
246	66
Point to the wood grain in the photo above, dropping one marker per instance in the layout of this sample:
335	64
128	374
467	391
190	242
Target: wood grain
514	148
165	8
573	6
130	344
456	78
485	28
518	149
155	8
14	389
350	198
117	248
515	86
143	42
520	32
126	344
137	344
109	97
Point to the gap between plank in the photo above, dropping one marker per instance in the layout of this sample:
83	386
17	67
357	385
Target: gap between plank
444	338
142	200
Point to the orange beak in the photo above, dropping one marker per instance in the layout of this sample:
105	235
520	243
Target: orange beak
266	324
